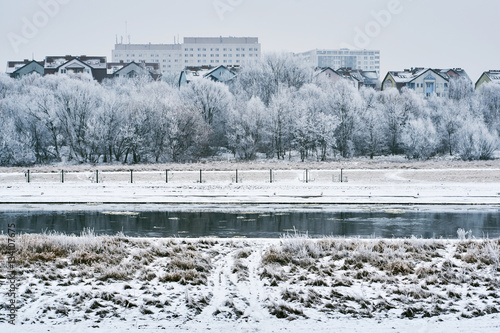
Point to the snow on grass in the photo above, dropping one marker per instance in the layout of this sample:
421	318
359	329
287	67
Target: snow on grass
104	281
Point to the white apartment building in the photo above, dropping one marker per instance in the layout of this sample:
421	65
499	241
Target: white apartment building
195	51
366	60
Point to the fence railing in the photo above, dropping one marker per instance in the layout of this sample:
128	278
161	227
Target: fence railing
180	177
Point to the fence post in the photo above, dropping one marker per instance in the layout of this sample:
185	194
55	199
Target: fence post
166	176
236	176
28	176
62	176
271	175
201	178
341	180
97	176
131	176
307	176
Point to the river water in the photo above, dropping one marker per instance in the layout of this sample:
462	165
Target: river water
258	222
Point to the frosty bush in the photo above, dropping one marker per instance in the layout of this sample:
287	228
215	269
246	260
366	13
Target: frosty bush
475	142
419	138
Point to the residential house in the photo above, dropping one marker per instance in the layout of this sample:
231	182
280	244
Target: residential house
358	78
327	73
487	77
96	66
93	65
218	74
425	81
17	69
133	69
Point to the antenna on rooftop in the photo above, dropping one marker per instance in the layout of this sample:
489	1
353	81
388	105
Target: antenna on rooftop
126	31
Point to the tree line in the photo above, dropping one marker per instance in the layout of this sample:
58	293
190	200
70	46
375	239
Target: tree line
275	108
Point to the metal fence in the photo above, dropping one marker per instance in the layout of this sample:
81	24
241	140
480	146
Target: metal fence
180	177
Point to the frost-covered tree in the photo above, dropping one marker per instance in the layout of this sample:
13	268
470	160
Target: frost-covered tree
489	103
395	116
370	137
281	109
313	122
264	77
249	129
460	89
419	138
212	99
76	102
345	104
448	117
475	141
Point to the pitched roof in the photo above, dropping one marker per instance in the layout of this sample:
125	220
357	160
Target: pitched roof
196	73
408	75
73	62
493	75
320	70
95	62
22	65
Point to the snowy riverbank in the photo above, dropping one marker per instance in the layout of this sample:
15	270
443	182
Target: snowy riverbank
414	183
116	284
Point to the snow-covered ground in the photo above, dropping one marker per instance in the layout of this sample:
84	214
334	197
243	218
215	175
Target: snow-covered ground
380	182
116	284
294	284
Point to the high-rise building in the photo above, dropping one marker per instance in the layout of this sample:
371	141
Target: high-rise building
195	51
366	60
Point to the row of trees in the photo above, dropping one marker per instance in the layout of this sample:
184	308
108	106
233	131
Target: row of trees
275	108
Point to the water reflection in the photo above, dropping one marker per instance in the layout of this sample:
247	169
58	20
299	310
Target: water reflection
387	224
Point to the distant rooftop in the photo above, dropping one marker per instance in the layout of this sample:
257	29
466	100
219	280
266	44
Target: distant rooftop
221	40
147	47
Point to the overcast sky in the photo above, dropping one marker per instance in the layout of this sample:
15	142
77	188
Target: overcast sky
427	33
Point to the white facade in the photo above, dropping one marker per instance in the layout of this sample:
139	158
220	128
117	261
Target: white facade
366	60
195	51
168	56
